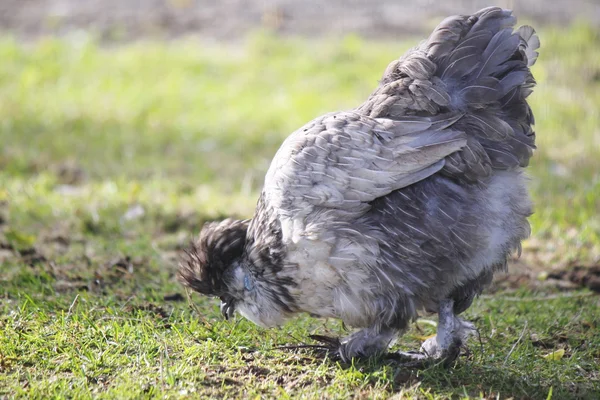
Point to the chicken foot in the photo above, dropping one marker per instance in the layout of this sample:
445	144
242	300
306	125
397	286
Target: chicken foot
445	346
452	334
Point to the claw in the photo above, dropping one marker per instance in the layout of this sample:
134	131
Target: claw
409	359
421	360
332	342
227	307
331	347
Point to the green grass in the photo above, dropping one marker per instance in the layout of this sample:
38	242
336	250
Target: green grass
111	158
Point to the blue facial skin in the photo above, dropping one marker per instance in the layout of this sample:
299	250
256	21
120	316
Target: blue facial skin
248	284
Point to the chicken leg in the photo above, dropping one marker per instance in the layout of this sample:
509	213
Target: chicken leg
445	346
452	333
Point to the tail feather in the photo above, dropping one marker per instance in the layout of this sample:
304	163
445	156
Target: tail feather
500	49
529	43
478	66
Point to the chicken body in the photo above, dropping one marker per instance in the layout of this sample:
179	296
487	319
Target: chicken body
410	202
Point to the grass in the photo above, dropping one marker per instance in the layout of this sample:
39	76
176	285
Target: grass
112	158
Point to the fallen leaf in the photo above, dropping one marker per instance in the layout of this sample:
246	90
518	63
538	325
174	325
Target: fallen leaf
555	355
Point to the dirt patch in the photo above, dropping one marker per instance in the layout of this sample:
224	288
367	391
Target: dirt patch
562	280
69	173
542	268
32	256
580	276
27	254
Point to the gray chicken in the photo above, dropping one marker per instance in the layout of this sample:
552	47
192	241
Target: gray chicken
410	202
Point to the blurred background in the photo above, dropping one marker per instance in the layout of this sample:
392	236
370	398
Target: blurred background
233	19
125	124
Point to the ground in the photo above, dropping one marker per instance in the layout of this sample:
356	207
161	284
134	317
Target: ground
113	157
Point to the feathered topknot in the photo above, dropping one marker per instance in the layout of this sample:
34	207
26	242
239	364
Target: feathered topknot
204	262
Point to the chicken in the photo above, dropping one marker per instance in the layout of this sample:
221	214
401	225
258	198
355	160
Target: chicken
409	203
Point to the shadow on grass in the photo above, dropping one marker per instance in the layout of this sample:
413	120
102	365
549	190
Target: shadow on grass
499	382
475	379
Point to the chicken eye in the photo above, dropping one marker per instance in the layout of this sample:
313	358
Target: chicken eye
248	284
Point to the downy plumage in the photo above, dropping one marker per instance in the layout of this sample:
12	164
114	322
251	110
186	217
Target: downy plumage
409	202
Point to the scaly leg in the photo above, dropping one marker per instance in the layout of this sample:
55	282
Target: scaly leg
452	333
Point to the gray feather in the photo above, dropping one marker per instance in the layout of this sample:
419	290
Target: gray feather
502	46
488	126
530	43
481	92
380	156
460	64
513	79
